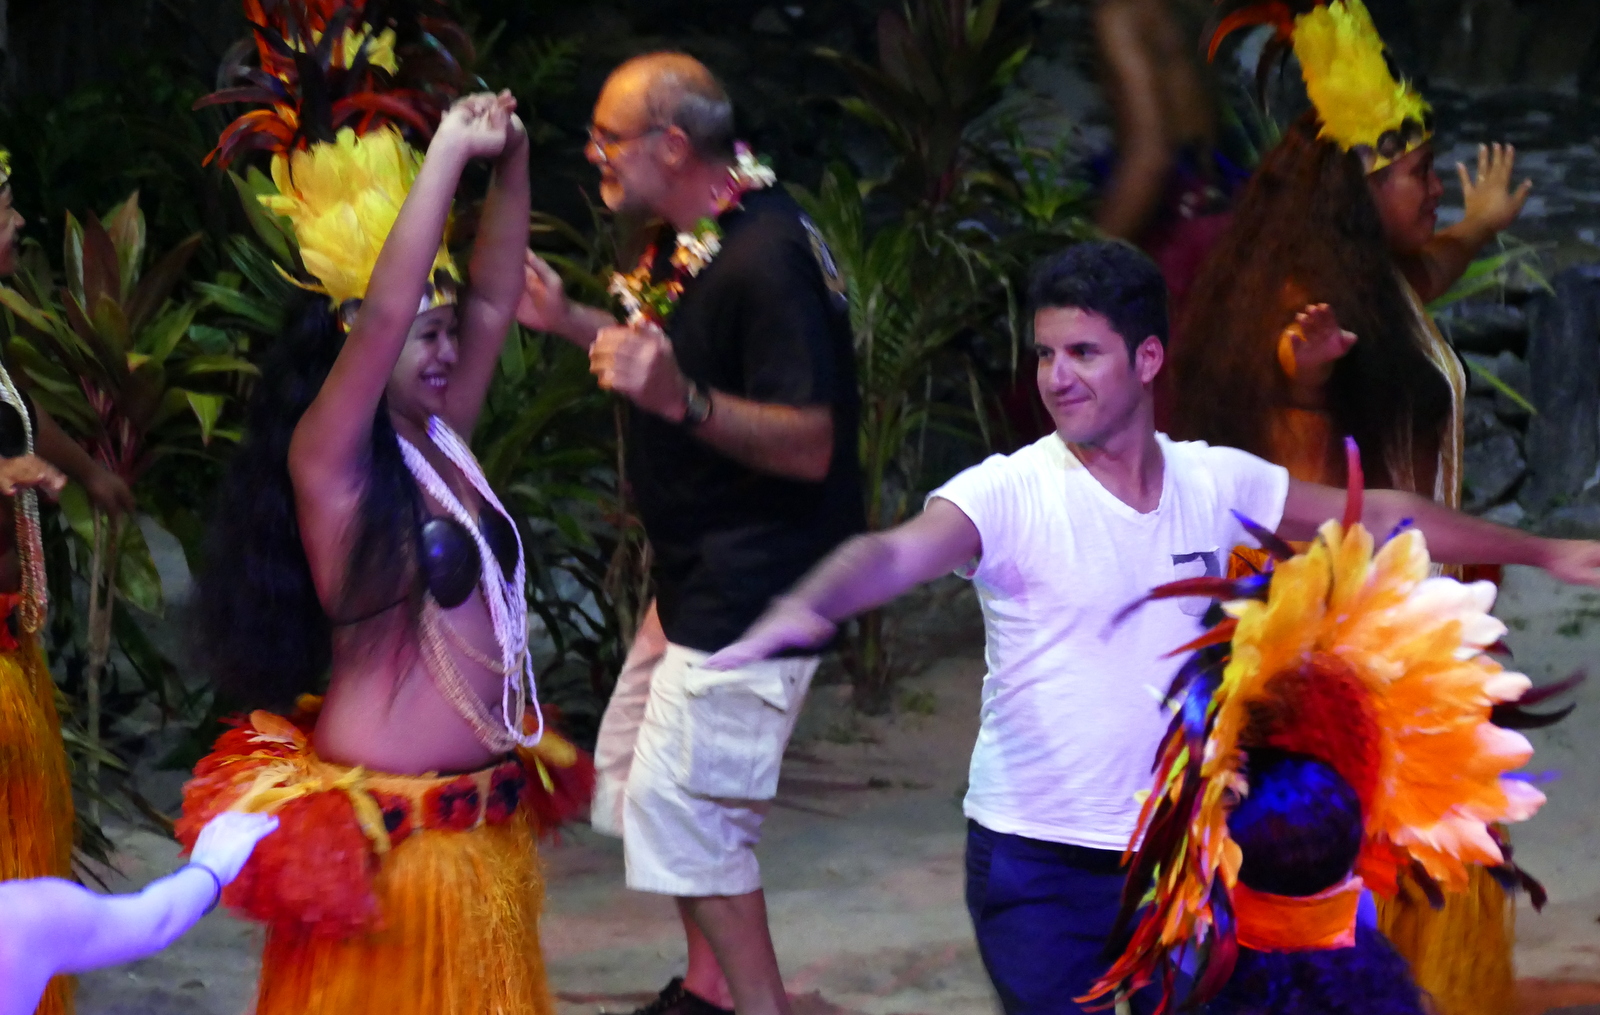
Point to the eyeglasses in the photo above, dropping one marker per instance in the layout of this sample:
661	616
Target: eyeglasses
607	145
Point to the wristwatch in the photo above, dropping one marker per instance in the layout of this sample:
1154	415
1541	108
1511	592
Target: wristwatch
696	405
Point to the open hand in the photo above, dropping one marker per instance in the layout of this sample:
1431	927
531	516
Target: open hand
1490	201
788	623
638	363
26	472
544	305
1310	346
228	840
1574	561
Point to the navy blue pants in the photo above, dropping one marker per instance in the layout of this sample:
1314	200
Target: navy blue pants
1043	913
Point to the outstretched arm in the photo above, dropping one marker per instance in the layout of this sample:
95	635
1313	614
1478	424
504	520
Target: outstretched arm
1453	538
865	572
1491	206
54	926
109	493
496	276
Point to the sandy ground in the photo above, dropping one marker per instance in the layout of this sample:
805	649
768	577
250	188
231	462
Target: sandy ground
863	863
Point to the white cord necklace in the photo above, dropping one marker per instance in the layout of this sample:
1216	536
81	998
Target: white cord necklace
30	543
506	600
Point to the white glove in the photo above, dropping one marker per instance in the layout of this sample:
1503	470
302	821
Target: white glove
227	840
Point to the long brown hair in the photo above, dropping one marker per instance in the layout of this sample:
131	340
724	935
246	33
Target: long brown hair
1307	226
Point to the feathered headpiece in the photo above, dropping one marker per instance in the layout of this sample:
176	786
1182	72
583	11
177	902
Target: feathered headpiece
1362	661
5	167
1364	106
339	85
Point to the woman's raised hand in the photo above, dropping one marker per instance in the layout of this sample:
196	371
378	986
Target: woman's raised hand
1310	346
479	124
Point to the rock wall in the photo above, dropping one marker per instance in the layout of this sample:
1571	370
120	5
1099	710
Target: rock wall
1494	43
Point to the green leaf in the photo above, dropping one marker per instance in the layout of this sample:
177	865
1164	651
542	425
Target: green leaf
72	257
217	365
163	336
206	409
125	224
75	508
1501	386
237	303
137	578
274	230
513	361
212	341
37	319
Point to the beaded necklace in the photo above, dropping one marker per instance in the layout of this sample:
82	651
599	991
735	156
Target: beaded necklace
507	603
30	545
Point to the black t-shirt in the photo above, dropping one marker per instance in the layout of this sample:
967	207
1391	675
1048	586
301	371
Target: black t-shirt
761	322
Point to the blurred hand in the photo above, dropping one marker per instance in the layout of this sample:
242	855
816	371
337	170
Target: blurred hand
1574	561
788	623
1490	202
477	125
544	305
1310	346
31	472
108	492
638	363
228	839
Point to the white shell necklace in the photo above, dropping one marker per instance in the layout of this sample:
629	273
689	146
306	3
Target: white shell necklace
506	600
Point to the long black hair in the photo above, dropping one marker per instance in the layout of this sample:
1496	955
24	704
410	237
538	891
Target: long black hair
1300	831
261	632
1307	220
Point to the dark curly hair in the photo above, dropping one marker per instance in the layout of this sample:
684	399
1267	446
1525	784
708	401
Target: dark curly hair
1110	278
1300	832
261	631
1306	231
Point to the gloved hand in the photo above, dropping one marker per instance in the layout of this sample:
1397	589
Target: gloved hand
226	842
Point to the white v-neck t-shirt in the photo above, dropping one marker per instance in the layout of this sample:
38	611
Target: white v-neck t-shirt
1071	714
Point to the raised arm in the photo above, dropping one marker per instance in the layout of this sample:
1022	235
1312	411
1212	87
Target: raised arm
495	277
1453	538
332	438
1490	207
865	572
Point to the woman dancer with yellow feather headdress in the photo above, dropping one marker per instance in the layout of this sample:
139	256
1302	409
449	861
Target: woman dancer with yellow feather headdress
357	533
1308	326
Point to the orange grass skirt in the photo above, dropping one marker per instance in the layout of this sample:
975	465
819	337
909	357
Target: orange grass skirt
384	894
1461	954
35	785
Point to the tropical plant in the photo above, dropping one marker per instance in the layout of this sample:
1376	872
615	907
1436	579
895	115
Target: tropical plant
941	65
116	360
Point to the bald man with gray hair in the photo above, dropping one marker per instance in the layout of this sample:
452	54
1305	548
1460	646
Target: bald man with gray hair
741	445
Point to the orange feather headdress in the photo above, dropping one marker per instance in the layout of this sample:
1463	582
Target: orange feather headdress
1351	654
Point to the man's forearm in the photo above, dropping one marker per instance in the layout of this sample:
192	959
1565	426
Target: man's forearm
784	440
55	446
583	323
1453	538
854	578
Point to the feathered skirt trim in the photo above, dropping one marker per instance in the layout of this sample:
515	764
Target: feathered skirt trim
388	894
1460	954
35	784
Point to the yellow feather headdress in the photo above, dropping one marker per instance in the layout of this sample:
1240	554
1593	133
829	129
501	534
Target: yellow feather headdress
1363	106
342	200
5	166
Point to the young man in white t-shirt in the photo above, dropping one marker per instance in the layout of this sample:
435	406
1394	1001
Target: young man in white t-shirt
1058	538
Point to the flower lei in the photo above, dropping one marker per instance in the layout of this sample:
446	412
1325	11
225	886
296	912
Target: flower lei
649	301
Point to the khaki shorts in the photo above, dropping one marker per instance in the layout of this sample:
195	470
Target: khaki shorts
687	760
